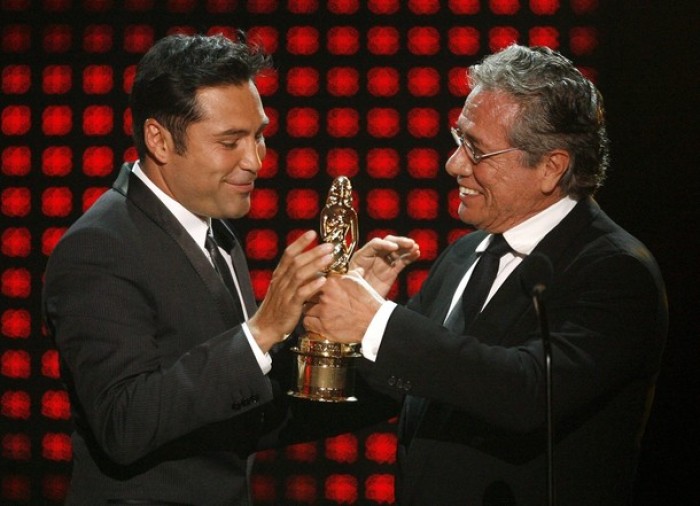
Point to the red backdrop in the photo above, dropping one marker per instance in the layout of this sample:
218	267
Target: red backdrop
363	89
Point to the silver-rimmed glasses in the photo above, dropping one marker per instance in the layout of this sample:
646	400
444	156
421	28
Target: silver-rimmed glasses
471	151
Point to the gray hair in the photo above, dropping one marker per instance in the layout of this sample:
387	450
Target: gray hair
559	109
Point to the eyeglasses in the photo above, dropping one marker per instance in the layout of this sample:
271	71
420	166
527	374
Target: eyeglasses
471	151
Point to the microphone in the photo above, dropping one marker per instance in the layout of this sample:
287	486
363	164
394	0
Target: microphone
535	275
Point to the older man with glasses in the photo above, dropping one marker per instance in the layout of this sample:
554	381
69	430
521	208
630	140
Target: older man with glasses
488	417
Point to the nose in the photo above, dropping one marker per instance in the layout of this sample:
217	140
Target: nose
254	155
458	164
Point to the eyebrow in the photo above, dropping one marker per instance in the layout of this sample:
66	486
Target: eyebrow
474	140
243	131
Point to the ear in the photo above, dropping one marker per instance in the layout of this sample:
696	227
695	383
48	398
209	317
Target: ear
554	165
158	141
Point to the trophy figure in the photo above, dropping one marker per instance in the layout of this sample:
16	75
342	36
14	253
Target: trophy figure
325	370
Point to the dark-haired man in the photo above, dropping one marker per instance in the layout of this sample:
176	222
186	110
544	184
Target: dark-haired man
148	296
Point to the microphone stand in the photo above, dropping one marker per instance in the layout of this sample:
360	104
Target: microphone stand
537	292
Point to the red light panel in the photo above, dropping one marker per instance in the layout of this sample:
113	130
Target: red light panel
16	120
464	40
57	120
302	40
342	448
302	163
16	283
56	447
383	163
383	122
98	120
301	489
16	405
342	81
16	79
423	82
16	323
16	202
16	161
57	79
383	40
383	204
57	201
16	447
343	6
50	364
544	36
98	79
383	6
372	102
381	447
302	81
302	122
379	488
423	41
424	7
98	38
341	488
343	40
383	81
302	452
261	244
342	162
343	122
16	242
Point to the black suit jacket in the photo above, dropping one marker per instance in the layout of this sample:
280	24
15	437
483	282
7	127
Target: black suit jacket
473	425
167	397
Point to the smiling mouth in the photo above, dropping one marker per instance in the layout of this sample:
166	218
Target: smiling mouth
464	192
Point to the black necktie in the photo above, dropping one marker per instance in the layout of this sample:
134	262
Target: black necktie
479	284
221	266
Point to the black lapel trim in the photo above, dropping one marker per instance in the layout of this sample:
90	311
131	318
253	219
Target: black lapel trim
139	195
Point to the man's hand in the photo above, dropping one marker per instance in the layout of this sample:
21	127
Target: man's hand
297	278
380	261
343	308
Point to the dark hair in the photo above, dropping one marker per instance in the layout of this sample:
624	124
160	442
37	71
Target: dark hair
559	109
175	68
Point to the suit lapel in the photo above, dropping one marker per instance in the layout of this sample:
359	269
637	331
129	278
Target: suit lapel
510	301
137	193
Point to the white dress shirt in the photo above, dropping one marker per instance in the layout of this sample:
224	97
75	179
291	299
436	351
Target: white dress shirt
198	229
522	238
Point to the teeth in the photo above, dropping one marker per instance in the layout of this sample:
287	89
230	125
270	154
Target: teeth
467	191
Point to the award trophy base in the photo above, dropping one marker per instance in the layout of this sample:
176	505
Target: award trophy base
325	370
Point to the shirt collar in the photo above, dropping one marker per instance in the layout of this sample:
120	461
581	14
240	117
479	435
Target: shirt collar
196	226
523	238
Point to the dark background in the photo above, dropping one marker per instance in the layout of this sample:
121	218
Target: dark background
651	82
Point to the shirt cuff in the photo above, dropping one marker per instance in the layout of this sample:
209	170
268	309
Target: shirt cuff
264	359
375	331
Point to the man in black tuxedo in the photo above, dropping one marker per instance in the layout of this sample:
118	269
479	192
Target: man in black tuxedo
148	296
532	151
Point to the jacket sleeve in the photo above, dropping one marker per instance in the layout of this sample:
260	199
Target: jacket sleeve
607	323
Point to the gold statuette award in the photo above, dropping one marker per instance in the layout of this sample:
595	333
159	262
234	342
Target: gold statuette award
325	370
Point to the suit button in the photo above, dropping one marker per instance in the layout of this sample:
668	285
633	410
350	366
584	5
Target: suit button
391	381
407	385
399	384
